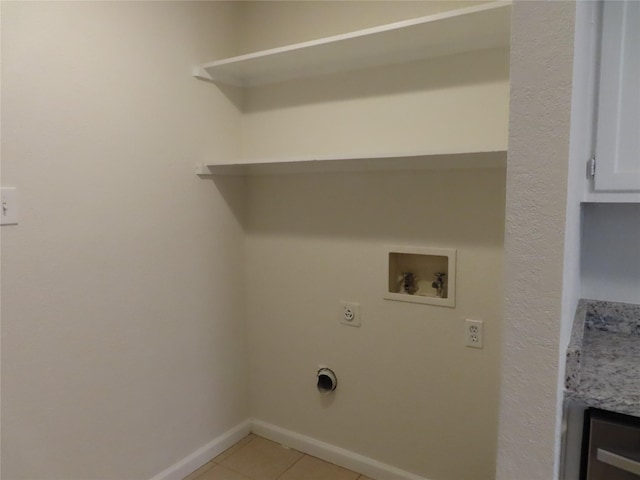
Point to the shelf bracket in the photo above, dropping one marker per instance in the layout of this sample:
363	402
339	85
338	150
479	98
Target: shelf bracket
201	73
203	169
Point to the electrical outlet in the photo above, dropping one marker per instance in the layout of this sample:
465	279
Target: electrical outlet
350	314
473	333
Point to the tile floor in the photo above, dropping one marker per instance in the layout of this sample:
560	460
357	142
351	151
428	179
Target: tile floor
256	458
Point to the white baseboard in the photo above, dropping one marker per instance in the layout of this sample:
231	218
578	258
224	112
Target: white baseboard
215	447
339	456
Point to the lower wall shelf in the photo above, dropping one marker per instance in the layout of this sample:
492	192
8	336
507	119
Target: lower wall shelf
373	163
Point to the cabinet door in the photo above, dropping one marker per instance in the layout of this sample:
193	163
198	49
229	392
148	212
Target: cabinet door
618	136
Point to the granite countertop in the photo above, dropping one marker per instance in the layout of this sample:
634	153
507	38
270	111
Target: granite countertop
603	357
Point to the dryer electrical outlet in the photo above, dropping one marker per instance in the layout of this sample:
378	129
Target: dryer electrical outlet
350	314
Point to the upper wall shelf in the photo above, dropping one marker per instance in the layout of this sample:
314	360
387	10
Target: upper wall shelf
464	30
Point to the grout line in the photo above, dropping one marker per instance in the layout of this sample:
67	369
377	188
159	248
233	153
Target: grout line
291	466
202	470
253	437
231	469
219	463
237	449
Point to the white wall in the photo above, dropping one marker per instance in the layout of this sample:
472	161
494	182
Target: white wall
270	24
407	396
123	342
537	173
410	393
611	252
458	103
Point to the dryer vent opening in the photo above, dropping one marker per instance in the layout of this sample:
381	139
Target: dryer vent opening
326	380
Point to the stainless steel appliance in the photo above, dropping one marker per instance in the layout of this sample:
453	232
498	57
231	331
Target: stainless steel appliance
611	446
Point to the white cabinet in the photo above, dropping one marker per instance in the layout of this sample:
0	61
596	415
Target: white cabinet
617	154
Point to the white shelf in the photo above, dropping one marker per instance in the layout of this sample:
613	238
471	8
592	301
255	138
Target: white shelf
342	164
464	30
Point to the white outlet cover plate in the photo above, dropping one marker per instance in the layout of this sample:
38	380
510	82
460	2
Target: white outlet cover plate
474	333
349	314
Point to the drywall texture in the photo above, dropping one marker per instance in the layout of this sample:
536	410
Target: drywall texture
611	252
122	322
457	103
410	394
541	79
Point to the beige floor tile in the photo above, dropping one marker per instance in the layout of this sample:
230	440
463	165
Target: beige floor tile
362	477
261	459
311	468
196	473
234	448
218	472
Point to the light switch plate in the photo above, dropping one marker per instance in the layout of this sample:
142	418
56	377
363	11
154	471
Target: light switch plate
8	206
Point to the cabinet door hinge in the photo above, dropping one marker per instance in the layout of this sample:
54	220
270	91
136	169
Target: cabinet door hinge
591	167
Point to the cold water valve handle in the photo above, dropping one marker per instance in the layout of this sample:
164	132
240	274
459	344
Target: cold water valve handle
438	284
